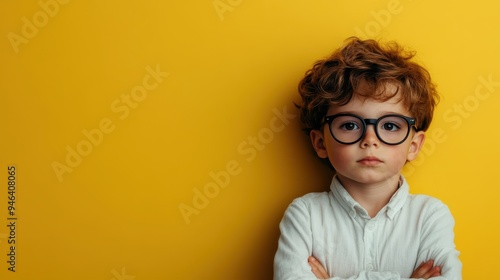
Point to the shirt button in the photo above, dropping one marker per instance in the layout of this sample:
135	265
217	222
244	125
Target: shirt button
371	225
369	267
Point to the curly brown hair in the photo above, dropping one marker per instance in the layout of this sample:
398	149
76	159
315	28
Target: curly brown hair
332	81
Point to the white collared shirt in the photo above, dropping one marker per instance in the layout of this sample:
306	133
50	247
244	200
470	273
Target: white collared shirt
335	229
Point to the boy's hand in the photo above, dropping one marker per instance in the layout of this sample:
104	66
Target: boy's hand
316	268
427	270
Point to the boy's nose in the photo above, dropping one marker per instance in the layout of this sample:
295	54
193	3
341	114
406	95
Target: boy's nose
370	138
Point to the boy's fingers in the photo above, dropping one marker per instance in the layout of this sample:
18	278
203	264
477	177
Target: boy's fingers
316	268
423	269
313	263
433	272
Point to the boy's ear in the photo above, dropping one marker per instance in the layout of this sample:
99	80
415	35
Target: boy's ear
416	144
318	142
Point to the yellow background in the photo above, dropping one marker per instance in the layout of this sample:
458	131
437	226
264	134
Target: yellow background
232	64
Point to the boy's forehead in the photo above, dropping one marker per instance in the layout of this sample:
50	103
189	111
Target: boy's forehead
371	105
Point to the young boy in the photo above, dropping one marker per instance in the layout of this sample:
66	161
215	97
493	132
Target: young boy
366	109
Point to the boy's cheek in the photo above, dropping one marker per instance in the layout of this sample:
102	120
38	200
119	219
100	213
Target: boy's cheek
339	157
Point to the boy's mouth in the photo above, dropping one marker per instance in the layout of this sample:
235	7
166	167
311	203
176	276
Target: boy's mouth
370	161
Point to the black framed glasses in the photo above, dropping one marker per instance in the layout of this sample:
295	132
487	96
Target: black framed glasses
391	129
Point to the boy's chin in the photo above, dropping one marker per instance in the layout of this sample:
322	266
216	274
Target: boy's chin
367	179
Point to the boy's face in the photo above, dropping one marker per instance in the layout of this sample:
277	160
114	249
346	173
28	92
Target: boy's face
368	161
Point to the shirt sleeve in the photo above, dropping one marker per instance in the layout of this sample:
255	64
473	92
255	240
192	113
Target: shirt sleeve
437	242
294	245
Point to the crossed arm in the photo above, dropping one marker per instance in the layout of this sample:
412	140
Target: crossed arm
295	247
426	270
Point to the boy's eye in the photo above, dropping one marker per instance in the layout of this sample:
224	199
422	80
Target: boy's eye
390	126
349	126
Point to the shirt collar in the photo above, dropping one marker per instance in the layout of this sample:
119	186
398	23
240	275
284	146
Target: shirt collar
353	207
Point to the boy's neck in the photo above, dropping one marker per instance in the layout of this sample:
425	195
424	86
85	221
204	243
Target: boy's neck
372	197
